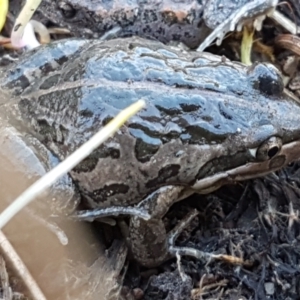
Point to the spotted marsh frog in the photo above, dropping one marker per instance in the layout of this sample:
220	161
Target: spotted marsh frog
208	122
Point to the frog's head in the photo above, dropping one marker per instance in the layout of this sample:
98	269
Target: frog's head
263	131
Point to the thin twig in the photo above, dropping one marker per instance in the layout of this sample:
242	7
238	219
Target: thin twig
17	264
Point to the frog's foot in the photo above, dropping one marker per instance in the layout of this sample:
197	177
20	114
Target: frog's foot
150	244
148	238
256	9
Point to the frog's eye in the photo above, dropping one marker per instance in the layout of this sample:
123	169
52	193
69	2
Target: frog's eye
269	148
266	78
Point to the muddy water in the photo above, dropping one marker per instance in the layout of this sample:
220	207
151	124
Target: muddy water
60	260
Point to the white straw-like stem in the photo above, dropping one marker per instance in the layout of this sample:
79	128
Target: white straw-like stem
69	163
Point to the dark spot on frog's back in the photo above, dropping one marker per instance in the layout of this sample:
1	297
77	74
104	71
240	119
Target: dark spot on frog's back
73	74
19	85
89	164
205	133
49	82
86	113
189	107
145	145
148	16
45	130
26	108
168	110
266	79
108	191
164	175
226	112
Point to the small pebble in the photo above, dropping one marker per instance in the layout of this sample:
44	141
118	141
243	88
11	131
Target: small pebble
269	287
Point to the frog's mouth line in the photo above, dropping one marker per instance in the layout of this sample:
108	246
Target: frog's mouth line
289	152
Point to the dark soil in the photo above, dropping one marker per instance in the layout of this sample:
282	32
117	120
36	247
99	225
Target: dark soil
257	223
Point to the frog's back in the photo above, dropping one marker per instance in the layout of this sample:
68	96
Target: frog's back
195	102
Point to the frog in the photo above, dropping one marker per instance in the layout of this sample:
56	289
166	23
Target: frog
208	122
196	24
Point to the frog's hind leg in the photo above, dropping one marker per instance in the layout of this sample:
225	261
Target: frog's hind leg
150	243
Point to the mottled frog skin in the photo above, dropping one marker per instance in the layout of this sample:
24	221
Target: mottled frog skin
207	122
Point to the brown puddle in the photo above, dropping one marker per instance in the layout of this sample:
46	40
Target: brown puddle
60	270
